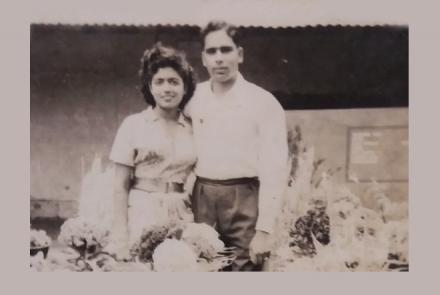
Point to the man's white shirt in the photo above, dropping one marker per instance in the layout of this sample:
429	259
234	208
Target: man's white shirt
242	134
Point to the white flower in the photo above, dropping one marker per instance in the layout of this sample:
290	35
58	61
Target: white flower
37	262
76	232
95	199
204	239
39	238
396	232
174	256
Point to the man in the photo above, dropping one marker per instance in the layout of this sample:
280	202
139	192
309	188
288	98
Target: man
241	146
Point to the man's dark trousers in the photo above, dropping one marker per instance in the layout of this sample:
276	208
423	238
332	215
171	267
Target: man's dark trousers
231	207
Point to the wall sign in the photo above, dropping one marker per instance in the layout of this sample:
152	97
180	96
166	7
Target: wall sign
379	153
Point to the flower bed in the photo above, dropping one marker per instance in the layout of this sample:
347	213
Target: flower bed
165	248
324	226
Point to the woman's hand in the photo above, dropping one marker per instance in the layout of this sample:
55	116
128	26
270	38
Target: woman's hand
177	205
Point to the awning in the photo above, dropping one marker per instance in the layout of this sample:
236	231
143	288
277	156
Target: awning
264	13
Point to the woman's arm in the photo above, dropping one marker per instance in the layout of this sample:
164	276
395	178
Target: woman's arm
121	188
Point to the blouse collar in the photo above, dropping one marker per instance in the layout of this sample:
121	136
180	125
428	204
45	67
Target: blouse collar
151	116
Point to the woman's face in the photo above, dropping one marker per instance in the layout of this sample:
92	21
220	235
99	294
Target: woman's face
167	88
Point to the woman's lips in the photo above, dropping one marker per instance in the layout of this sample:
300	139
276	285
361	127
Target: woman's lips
168	98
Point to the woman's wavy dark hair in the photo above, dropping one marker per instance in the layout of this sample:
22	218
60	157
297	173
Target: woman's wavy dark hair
158	57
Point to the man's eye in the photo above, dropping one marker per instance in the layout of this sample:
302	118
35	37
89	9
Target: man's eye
225	49
211	50
222	49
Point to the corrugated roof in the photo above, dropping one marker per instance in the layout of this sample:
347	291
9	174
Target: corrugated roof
246	13
183	25
125	27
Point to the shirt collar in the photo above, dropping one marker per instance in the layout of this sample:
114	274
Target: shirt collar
238	84
235	93
151	116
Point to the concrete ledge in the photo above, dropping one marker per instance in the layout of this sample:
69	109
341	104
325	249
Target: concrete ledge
53	208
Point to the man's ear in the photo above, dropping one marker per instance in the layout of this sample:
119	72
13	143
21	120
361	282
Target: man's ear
240	54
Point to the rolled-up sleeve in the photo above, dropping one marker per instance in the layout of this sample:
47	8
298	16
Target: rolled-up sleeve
122	151
273	157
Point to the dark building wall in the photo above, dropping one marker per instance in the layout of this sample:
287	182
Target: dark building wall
310	67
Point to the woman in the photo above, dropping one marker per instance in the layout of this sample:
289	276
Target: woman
153	150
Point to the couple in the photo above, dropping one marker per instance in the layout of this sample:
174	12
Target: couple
231	132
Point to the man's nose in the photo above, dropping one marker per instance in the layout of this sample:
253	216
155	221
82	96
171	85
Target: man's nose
218	57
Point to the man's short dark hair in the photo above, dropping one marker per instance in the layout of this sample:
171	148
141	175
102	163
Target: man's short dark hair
218	25
159	57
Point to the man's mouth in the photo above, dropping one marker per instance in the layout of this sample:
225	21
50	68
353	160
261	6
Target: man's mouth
220	70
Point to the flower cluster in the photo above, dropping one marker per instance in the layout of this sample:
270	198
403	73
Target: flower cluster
86	237
204	240
86	241
174	255
39	239
37	262
324	226
150	238
181	247
315	224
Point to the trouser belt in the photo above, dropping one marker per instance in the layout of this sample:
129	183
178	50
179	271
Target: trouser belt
157	185
231	181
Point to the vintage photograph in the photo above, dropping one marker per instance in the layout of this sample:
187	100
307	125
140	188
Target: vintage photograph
214	141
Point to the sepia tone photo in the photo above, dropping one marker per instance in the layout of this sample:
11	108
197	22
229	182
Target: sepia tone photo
219	142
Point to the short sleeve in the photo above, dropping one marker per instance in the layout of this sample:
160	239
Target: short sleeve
122	151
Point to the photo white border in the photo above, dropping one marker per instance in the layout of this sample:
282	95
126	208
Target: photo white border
423	196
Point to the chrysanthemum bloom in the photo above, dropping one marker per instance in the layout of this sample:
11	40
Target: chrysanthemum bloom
39	238
204	239
83	235
173	256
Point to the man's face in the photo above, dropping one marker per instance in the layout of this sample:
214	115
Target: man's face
221	56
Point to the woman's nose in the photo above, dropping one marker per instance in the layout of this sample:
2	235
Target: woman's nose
167	87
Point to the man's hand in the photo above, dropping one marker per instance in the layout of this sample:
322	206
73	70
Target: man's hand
259	248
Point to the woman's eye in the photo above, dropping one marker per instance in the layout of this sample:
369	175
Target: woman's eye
174	82
158	82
